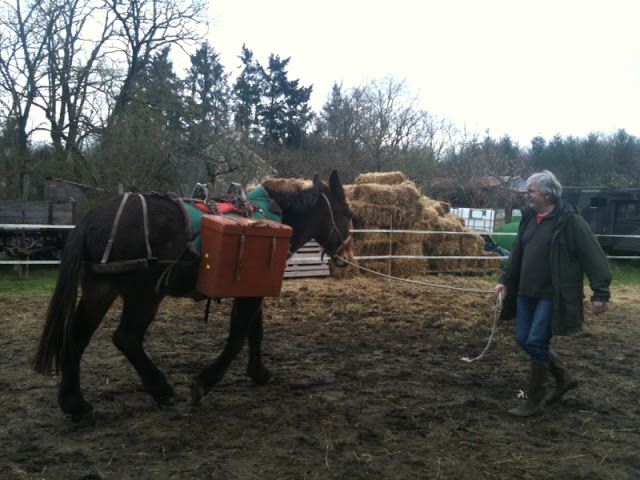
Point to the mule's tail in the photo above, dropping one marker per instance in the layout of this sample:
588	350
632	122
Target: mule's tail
57	334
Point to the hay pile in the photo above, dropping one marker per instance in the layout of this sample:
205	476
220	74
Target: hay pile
384	200
287	185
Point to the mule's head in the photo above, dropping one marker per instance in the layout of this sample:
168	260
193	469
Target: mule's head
333	229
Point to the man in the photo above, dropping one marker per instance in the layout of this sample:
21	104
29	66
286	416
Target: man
543	279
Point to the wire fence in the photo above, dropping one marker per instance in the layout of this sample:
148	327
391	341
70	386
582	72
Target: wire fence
390	232
468	257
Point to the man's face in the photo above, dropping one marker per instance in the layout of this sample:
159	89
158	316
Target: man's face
535	199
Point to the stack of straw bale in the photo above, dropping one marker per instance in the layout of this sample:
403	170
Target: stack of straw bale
389	200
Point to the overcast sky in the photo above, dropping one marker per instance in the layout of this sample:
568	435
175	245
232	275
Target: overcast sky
522	68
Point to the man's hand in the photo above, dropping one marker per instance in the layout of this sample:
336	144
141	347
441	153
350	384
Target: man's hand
500	288
598	307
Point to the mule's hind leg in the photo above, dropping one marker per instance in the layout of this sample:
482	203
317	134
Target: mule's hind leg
93	305
242	314
256	369
137	315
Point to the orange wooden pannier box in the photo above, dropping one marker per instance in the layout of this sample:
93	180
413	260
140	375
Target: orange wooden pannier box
242	257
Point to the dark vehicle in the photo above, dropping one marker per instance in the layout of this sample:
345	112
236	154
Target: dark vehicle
611	213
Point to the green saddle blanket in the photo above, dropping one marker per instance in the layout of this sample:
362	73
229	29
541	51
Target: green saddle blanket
258	199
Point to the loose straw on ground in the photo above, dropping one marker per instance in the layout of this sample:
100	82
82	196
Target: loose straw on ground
496	315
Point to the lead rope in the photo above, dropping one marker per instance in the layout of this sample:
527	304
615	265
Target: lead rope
496	317
497	310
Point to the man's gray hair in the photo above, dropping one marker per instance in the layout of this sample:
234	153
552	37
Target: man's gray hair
547	183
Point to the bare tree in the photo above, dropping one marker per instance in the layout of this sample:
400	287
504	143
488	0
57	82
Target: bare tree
24	34
64	57
379	126
479	172
229	158
146	26
77	63
391	121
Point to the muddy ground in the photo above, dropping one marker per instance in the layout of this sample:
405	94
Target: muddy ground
368	383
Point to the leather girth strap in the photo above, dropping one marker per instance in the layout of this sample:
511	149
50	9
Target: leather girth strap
116	222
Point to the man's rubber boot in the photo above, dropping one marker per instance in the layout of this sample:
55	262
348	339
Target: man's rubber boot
564	380
537	389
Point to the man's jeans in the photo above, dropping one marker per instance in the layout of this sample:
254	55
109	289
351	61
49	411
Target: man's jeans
533	327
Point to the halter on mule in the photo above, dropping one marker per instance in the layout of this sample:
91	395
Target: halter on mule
334	229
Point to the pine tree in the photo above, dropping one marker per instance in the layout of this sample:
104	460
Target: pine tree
247	92
207	84
284	111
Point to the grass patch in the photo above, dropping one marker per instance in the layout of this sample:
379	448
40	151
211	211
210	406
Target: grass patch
625	272
39	282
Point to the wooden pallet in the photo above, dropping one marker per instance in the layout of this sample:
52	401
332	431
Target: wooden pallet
306	262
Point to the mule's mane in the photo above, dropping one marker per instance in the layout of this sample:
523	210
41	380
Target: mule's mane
295	194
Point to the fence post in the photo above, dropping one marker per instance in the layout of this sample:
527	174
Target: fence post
390	246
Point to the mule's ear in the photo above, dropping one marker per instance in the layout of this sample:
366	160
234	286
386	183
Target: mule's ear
336	187
316	180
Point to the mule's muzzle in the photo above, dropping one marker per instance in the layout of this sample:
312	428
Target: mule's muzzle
344	255
339	261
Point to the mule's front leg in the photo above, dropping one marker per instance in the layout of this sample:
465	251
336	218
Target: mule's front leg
137	315
243	312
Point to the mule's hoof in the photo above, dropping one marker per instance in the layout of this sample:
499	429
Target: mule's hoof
83	414
75	406
166	402
261	377
197	392
163	397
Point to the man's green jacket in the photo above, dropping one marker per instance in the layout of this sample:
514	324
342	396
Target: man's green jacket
575	251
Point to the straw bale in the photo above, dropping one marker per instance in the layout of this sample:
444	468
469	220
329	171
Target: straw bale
287	185
400	237
429	202
471	245
490	265
445	265
429	218
366	215
412	184
405	268
384	200
443	208
404	195
381	178
368	247
378	205
450	223
449	246
348	192
399	268
430	242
